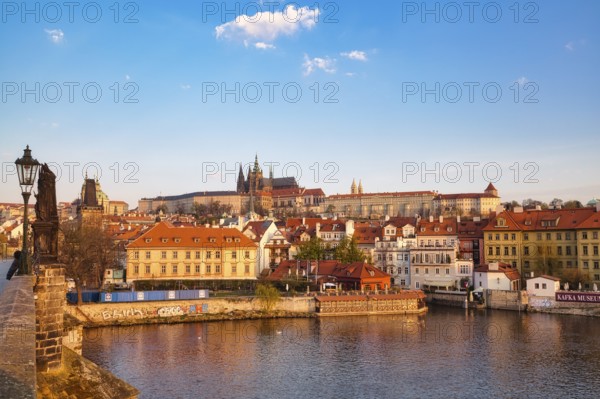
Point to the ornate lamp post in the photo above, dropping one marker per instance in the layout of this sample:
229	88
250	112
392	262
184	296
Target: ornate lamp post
27	168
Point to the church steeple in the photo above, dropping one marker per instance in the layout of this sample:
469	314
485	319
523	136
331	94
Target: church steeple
256	165
360	187
240	180
353	187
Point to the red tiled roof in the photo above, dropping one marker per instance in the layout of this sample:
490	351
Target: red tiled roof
314	191
165	235
446	227
565	219
510	272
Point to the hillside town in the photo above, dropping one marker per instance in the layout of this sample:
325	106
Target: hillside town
271	229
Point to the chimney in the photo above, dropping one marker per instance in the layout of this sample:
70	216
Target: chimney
518	209
458	219
477	219
318	228
441	219
387	218
494	266
430	218
303	221
538	207
598	206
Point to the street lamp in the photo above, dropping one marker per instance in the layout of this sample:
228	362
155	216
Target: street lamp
27	168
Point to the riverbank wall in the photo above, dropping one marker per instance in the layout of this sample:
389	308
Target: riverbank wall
132	313
492	299
542	304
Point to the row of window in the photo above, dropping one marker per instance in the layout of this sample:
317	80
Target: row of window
539	236
568	250
188	254
174	269
569	264
464	269
390	257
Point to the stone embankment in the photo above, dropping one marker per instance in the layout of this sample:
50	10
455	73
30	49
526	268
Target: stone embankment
210	309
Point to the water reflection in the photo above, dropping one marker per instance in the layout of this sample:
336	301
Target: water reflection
448	352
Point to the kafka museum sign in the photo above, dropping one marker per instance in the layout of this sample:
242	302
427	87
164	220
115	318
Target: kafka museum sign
587	297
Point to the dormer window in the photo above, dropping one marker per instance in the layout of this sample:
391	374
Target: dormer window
436	229
197	240
165	240
212	239
148	240
500	222
177	240
449	228
237	239
228	239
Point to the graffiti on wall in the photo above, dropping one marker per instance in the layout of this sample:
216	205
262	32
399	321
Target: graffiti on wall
170	311
116	314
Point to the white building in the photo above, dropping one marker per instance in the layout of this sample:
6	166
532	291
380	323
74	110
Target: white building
543	286
392	252
261	232
497	276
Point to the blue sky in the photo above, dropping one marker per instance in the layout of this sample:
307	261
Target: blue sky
408	99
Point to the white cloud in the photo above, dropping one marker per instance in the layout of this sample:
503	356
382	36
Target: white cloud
570	46
312	64
264	46
522	80
355	55
350	74
127	77
54	125
186	87
55	35
266	27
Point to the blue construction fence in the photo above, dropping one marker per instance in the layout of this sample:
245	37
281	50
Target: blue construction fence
138	296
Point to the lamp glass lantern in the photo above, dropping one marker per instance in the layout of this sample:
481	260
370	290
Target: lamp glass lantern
27	169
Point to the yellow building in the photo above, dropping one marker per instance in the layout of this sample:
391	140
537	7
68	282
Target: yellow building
166	252
549	242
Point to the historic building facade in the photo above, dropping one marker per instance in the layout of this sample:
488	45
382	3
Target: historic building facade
558	242
166	252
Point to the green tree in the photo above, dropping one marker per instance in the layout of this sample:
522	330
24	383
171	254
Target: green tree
268	296
572	204
311	250
347	251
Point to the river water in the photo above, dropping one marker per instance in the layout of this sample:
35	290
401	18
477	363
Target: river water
446	353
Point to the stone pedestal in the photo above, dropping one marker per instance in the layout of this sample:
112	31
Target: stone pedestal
50	294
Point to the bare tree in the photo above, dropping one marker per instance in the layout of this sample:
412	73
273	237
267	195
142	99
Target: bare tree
87	251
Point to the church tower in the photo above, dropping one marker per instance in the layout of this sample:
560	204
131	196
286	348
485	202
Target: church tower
240	181
491	190
353	189
360	187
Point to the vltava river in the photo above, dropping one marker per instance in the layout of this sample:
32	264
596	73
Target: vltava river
447	353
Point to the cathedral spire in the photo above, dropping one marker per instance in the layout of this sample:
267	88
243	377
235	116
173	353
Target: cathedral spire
240	180
360	187
353	187
256	165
